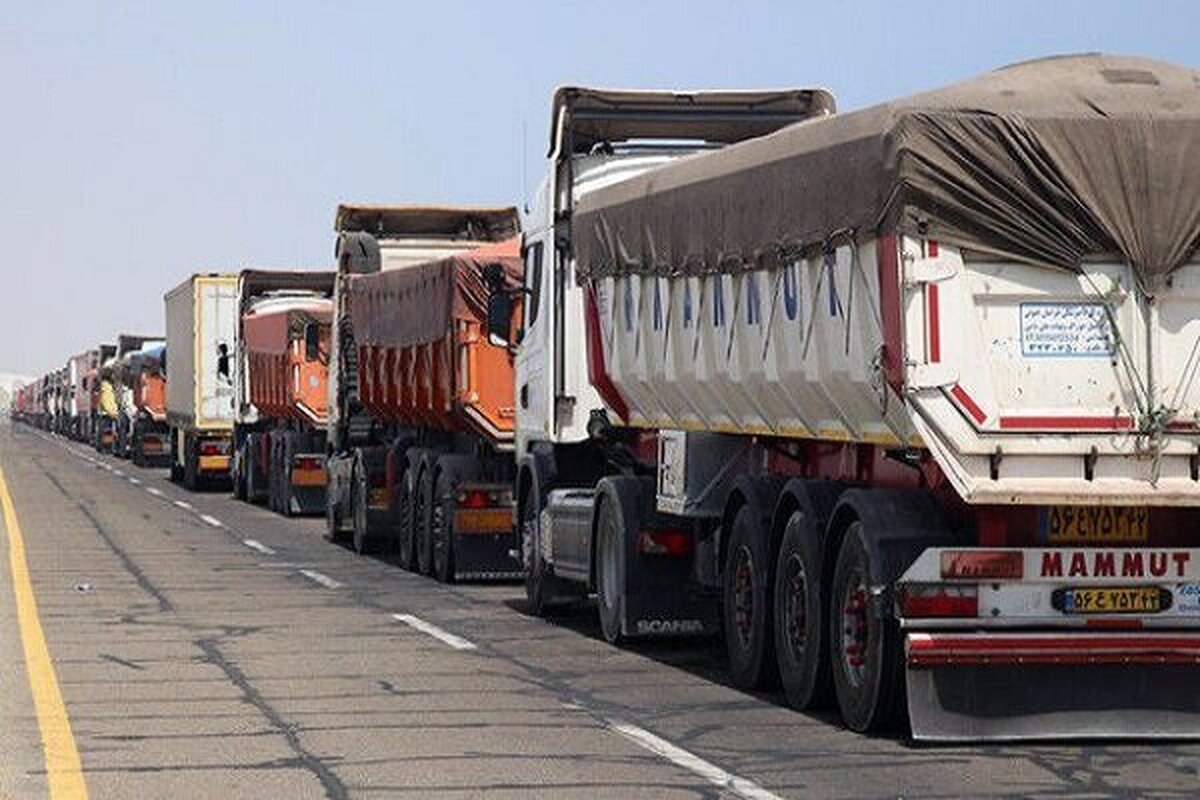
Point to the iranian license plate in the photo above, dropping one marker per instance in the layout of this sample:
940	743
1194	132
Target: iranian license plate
377	498
1096	525
1112	600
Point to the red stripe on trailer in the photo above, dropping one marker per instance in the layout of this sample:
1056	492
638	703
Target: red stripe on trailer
933	314
1067	423
931	249
597	372
936	649
887	262
968	403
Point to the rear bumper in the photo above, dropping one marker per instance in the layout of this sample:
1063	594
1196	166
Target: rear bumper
924	650
1022	686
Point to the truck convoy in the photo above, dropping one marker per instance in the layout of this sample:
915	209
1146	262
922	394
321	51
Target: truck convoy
280	393
902	403
421	416
202	316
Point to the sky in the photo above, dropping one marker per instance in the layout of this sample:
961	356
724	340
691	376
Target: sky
141	142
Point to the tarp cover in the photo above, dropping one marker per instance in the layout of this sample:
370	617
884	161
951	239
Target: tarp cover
1049	161
415	305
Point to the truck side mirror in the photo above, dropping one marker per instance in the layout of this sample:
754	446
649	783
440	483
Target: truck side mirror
312	341
499	317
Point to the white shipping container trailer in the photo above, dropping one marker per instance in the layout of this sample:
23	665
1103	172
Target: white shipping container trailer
201	315
913	390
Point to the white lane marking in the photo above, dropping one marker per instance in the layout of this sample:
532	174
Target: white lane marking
134	481
321	578
182	504
742	787
216	523
457	642
153	491
254	544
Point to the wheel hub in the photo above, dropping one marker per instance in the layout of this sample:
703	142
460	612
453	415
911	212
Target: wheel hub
855	629
796	606
743	594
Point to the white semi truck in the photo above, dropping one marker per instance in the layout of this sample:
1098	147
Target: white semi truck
903	401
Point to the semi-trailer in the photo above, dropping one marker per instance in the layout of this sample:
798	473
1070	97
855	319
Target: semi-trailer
281	397
128	385
909	391
201	316
421	411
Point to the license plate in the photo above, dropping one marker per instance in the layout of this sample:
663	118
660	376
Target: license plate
377	498
1096	525
483	520
1112	600
151	446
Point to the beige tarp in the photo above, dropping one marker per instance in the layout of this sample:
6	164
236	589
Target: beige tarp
1049	161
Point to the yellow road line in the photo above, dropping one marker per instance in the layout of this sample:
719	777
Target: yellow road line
63	771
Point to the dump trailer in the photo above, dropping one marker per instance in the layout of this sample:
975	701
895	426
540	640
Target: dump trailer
202	320
79	403
281	395
143	375
128	386
911	391
420	403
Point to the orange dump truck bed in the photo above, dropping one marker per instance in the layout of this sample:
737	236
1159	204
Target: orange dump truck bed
423	353
287	347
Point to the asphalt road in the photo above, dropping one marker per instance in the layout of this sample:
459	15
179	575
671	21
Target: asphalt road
207	648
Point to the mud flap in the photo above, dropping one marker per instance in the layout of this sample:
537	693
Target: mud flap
660	598
486	556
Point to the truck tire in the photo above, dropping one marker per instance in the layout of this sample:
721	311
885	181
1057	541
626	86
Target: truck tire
333	519
801	646
610	569
539	583
441	521
868	674
239	474
746	605
284	496
405	525
359	495
422	503
191	480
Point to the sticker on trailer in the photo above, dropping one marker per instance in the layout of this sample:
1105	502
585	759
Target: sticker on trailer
1071	330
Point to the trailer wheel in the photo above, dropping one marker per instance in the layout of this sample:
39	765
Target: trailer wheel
190	465
610	568
800	646
405	492
746	608
285	476
333	519
422	501
238	473
441	525
864	646
359	497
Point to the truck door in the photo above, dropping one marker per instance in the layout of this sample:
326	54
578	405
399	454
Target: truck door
534	366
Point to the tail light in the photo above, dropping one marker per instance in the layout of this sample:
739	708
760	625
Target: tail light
307	463
214	448
983	564
476	498
664	542
924	600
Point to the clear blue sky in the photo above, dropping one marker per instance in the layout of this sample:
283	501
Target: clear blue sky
142	141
